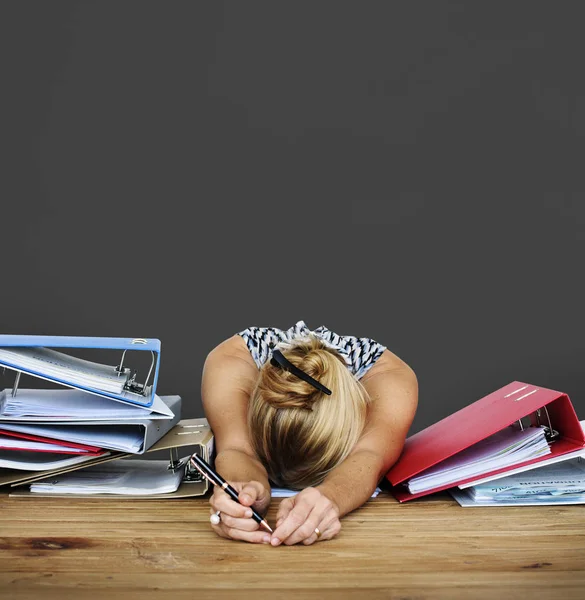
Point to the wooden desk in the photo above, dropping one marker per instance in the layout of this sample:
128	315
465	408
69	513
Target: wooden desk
432	548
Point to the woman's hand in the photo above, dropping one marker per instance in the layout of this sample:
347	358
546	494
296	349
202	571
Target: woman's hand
300	516
235	519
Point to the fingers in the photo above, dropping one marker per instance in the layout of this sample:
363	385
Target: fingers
235	518
326	533
245	530
221	501
235	523
293	521
253	537
311	510
284	509
306	529
305	518
302	520
251	492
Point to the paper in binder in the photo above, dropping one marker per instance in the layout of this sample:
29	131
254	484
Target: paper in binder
112	407
135	436
515	407
52	358
47	405
192	434
126	477
554	484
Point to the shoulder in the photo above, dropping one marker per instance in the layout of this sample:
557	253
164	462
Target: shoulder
232	353
392	385
232	346
389	363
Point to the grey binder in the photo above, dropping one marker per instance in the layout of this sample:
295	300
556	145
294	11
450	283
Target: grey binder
153	429
149	430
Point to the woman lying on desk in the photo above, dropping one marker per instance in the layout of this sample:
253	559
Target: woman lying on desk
312	411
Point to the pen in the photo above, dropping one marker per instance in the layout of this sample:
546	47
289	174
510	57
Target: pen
218	480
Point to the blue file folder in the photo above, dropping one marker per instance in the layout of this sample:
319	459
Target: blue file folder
38	355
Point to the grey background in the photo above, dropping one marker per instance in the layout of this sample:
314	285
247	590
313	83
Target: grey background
406	171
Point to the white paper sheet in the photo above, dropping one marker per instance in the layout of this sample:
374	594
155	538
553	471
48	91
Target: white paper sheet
125	438
122	477
507	447
463	498
39	461
73	405
66	368
562	476
542	463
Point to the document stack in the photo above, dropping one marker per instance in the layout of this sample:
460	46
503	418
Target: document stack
516	429
560	483
128	477
90	414
507	447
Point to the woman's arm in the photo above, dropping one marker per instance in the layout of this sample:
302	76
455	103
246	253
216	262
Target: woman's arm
229	376
393	389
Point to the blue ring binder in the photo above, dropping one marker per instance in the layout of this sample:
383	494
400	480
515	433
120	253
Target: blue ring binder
132	392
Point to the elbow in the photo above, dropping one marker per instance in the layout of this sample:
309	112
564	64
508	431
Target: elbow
380	461
409	376
376	463
409	382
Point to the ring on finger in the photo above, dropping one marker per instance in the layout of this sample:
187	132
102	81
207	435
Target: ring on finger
318	532
215	518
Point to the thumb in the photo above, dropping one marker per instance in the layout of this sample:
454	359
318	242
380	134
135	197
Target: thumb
251	492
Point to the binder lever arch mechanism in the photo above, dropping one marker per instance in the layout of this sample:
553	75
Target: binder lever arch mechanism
533	420
131	384
191	474
42	357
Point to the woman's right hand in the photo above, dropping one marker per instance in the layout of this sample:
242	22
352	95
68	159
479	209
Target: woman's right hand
236	521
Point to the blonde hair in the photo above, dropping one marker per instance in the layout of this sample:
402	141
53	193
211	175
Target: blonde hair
298	432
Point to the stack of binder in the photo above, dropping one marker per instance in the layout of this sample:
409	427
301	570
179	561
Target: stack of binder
91	414
518	428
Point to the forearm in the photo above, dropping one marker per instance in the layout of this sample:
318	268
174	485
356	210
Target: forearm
351	483
236	465
229	377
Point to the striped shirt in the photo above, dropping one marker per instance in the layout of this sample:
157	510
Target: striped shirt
359	354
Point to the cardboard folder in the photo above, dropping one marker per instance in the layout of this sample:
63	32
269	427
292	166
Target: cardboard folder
512	403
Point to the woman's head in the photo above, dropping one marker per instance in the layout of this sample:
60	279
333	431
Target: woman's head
299	432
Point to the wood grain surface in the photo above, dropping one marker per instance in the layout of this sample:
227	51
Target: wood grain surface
58	548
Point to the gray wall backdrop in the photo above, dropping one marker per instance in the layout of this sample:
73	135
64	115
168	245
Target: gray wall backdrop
407	171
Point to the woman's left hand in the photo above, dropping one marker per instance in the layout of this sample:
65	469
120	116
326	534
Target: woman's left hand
307	517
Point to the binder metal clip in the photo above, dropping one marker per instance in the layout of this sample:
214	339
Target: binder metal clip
131	384
550	434
191	474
